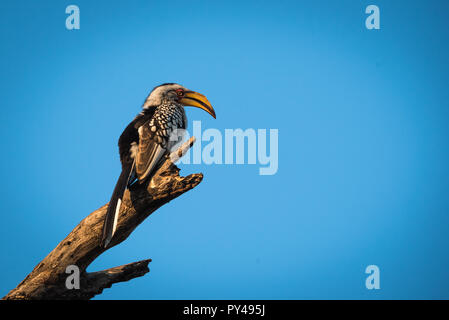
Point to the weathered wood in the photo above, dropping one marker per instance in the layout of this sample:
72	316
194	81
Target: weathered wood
82	246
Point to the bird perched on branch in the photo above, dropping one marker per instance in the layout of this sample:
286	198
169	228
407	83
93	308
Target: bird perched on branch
146	141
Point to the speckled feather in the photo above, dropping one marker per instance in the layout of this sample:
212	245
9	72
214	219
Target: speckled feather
154	137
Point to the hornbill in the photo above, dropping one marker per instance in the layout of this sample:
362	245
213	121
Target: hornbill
146	142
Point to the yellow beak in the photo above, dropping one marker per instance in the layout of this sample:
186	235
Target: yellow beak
195	99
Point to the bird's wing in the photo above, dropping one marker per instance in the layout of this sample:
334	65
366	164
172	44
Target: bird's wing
151	151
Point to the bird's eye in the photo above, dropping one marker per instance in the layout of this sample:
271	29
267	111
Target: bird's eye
180	93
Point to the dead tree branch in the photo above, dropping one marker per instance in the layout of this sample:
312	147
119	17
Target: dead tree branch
82	246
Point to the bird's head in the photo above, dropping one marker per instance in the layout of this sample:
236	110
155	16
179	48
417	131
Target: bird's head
174	92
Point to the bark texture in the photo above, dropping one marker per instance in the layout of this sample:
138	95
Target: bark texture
82	246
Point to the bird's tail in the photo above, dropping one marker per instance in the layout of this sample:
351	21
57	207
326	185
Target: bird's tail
110	222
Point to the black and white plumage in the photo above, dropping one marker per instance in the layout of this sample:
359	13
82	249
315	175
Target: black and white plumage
148	139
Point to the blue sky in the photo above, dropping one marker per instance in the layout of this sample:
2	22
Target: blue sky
363	149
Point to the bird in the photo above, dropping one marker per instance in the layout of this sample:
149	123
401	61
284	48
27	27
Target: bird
146	142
